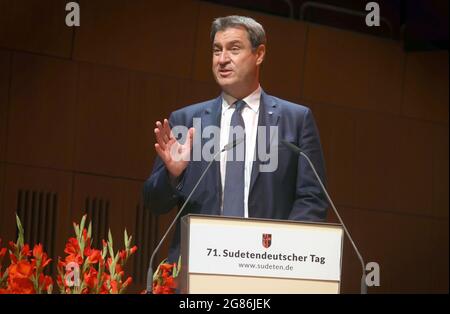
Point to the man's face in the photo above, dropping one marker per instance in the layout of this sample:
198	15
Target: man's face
235	64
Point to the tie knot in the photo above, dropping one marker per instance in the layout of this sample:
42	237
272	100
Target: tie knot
240	105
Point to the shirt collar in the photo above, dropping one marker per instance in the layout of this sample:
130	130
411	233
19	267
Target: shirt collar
251	100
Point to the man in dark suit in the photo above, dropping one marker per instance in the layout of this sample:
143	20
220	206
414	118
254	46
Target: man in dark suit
282	186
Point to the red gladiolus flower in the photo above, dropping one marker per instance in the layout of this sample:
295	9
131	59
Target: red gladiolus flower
114	286
2	253
91	278
74	258
87	251
61	264
127	282
167	290
165	283
45	260
19	278
37	251
119	270
85	237
166	267
45	282
22	269
123	255
38	254
59	280
108	262
26	250
94	256
72	247
13	258
20	286
157	289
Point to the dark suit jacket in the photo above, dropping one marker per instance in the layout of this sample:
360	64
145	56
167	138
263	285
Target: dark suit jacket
291	192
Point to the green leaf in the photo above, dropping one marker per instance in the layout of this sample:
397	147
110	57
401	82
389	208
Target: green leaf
77	230
116	258
129	240
177	269
84	268
20	239
110	236
156	274
81	243
110	239
83	221
89	233
112	270
5	276
99	281
110	244
110	251
125	236
104	251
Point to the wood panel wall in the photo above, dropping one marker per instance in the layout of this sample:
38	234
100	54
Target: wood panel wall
77	109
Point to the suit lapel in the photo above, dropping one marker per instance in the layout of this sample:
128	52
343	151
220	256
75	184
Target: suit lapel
269	115
211	117
211	114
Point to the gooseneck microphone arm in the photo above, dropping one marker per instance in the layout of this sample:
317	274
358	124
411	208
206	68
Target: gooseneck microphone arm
149	289
297	150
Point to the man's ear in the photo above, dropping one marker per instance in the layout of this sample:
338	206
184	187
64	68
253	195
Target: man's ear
260	54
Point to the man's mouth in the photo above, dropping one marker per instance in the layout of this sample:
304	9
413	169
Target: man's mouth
225	72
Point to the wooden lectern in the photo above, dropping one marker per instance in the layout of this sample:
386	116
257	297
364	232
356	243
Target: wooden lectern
240	255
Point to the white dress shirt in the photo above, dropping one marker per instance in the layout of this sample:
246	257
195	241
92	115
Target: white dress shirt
250	114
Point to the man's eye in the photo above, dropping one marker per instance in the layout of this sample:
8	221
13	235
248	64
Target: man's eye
216	51
235	49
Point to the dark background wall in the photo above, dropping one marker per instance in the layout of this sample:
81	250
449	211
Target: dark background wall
78	105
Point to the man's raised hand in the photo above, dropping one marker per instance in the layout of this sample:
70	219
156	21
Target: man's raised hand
174	155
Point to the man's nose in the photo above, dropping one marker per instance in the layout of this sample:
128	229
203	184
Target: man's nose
224	57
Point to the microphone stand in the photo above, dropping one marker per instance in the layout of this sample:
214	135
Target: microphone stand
150	267
296	149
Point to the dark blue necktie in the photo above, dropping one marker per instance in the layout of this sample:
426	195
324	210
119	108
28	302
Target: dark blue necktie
233	197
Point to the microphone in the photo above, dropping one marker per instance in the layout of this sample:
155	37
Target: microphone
298	151
150	266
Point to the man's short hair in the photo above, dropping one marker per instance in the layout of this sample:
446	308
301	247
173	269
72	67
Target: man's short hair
256	33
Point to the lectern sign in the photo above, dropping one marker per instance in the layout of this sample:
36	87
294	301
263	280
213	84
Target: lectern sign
301	251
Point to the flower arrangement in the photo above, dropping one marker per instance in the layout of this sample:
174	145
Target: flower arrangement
25	274
165	277
84	270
